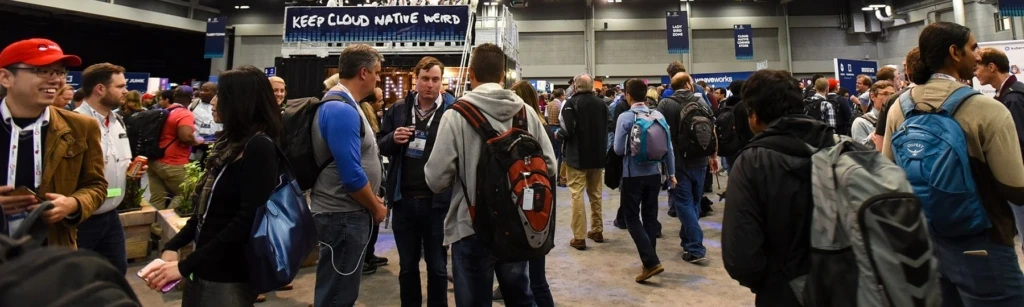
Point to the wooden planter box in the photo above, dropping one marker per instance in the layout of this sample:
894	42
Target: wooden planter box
137	226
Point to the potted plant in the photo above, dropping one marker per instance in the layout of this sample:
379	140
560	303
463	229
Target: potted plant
193	172
133	193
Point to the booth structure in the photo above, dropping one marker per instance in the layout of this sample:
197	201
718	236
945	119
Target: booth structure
314	37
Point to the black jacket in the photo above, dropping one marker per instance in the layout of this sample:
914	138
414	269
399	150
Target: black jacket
585	118
766	229
739	113
670	108
398	116
1012	96
844	114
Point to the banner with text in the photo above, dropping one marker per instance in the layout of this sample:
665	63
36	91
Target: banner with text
1011	8
744	38
721	79
216	29
376	24
137	81
846	71
1014	52
678	32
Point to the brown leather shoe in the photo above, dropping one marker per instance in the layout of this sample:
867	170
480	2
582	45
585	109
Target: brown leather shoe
596	236
649	272
578	244
261	298
286	287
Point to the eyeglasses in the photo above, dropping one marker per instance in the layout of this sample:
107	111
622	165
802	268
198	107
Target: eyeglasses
43	72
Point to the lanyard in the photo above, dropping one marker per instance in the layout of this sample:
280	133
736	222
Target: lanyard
37	146
415	110
110	153
944	76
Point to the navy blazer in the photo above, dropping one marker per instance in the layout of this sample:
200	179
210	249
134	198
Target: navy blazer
398	116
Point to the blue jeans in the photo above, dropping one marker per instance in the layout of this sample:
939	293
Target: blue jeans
474	269
343	239
640	210
1018	215
686	198
978	280
419	234
104	235
539	283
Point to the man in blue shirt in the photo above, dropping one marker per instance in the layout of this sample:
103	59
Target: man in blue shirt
344	199
640	191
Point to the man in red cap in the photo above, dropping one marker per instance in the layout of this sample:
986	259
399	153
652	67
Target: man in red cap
53	153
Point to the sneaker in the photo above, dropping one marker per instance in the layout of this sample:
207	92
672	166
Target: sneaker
688	257
369	269
578	244
377	261
596	236
658	235
619	224
647	273
496	295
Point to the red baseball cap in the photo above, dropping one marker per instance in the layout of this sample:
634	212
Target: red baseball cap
832	84
36	52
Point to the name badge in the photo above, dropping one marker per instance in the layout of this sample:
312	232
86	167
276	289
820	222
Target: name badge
204	125
417	145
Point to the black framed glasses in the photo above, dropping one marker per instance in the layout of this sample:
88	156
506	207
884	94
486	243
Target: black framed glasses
43	72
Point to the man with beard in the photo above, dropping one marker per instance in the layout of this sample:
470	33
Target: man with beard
104	85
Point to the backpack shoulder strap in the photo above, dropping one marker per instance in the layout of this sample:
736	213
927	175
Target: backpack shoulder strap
784	144
907	104
956	99
1017	87
333	97
475	119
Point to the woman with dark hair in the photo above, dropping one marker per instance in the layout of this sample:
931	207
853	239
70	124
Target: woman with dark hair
525	91
241	172
974	245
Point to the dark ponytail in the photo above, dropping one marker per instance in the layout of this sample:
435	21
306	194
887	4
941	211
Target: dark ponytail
934	42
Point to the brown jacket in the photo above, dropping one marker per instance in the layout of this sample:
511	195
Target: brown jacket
73	167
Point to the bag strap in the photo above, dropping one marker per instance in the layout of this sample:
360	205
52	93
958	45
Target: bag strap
955	100
476	119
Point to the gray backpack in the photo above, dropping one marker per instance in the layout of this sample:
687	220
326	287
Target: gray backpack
869	240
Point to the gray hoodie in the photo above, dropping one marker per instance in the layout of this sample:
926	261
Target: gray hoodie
457	142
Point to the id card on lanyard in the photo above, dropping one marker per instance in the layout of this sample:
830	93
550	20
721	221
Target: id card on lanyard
35	129
418	144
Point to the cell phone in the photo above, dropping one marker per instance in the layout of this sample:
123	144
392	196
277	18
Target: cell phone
25	191
152	265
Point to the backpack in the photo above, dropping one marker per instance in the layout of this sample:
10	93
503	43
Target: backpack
728	139
812	107
869	245
696	129
932	148
649	137
147	127
514	212
33	275
297	138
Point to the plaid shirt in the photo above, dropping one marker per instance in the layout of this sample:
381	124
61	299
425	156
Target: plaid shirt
828	113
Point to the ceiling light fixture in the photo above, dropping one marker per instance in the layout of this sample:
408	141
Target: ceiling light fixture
867	9
241	7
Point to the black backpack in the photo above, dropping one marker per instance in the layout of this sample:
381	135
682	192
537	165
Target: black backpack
728	139
146	127
812	107
297	138
33	275
696	129
512	176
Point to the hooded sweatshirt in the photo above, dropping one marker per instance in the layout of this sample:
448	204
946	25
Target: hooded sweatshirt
457	143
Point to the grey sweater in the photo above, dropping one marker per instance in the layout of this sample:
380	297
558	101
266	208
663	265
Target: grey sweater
457	142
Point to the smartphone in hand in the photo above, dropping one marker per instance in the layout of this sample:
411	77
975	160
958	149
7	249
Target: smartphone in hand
25	191
152	265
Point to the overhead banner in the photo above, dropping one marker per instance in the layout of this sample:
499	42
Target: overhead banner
677	31
270	71
722	79
1014	52
376	24
846	71
137	81
74	79
216	30
1011	8
743	37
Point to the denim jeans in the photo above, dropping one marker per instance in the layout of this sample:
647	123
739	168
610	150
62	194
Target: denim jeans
419	234
974	280
104	235
1018	215
201	293
686	198
474	269
640	211
343	239
539	283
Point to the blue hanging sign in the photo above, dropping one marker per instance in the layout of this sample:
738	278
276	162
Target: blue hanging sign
744	40
846	72
677	31
216	31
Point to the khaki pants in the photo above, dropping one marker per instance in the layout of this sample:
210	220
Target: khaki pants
590	180
164	178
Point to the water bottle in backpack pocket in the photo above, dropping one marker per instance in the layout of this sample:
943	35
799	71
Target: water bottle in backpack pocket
648	139
932	149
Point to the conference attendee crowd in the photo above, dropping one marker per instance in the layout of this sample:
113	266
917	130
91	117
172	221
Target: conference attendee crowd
903	191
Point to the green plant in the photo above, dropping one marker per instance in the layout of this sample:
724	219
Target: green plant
133	194
193	172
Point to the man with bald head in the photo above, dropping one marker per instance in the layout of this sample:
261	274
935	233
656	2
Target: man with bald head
584	132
